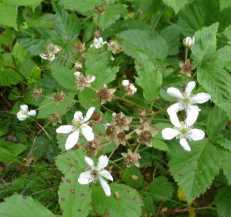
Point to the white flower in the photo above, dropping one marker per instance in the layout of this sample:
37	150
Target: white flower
50	52
189	41
186	101
98	43
25	113
97	172
129	87
183	131
79	125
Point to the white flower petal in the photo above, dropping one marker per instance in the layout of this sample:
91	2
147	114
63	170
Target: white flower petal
24	108
32	113
172	91
184	144
21	116
189	88
89	114
201	98
172	112
196	134
72	139
89	161
78	116
105	186
192	113
106	174
85	177
87	132
102	162
65	129
169	133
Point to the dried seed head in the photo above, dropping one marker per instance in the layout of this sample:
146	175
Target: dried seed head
105	94
83	81
121	121
50	52
121	138
97	117
59	96
80	47
37	92
131	158
186	68
145	137
114	46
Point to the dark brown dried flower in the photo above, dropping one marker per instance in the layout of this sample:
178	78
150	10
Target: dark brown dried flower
105	94
131	158
96	117
144	133
186	68
121	121
59	96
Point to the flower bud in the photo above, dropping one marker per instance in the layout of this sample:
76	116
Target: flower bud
189	41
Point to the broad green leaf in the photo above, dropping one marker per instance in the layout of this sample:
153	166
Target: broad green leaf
226	165
88	98
217	82
125	201
194	171
111	14
224	142
149	77
223	201
205	44
80	6
63	75
216	122
23	2
224	4
8	15
9	151
21	206
148	43
98	63
133	177
74	199
56	104
161	189
176	5
159	145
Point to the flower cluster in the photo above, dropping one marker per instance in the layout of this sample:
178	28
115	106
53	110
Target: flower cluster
186	101
129	87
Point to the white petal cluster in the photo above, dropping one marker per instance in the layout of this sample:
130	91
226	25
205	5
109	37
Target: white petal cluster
189	41
129	87
98	43
79	125
25	113
51	51
97	173
187	102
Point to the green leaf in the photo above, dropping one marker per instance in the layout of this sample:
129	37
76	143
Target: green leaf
52	104
148	43
64	76
8	15
80	6
217	82
149	77
10	151
125	201
88	98
205	44
133	177
9	77
216	122
226	165
223	201
111	14
224	4
74	199
21	206
194	171
176	5
161	189
98	63
159	145
22	2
